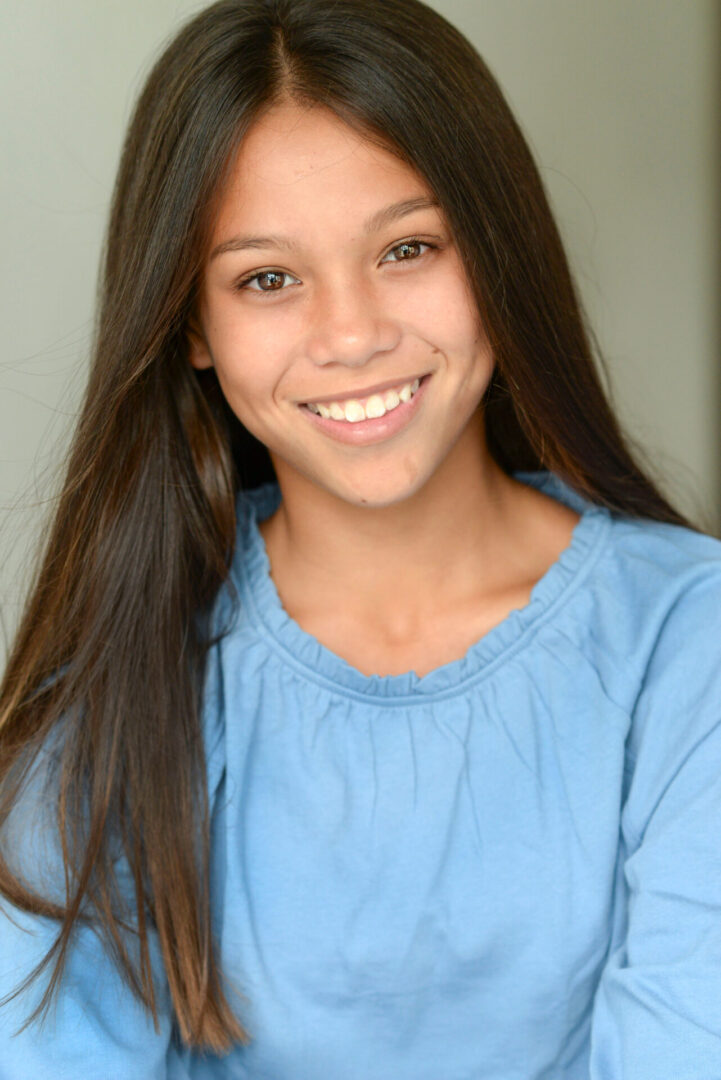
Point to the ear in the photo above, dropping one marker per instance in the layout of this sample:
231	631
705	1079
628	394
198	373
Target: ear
198	351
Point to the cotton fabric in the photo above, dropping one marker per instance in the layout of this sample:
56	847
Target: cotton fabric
506	869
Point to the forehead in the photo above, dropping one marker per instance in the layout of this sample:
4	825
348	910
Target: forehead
299	167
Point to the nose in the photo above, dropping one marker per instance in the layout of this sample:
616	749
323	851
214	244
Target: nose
349	326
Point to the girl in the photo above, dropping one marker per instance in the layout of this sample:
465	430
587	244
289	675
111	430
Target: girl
364	720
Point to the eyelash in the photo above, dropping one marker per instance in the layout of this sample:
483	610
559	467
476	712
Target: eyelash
284	273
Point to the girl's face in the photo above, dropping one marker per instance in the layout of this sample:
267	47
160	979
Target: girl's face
331	277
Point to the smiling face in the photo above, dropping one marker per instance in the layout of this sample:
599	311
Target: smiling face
315	291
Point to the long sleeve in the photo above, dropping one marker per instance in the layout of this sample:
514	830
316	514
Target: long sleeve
657	1010
96	1029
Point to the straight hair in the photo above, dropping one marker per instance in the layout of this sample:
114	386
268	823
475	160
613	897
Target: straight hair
111	650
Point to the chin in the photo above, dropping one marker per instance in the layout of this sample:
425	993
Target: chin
380	491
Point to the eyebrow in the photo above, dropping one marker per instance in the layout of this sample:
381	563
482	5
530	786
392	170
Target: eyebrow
377	221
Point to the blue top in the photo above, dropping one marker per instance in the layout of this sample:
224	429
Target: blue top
506	869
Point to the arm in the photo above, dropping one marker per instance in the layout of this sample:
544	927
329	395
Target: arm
95	1027
657	1011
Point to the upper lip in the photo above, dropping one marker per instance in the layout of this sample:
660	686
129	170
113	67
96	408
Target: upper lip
365	391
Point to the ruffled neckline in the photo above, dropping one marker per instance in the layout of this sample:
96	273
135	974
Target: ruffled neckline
261	604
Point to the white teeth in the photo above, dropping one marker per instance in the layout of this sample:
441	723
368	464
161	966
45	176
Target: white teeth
375	406
354	411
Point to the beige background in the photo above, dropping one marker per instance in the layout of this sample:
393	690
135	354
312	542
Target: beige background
617	98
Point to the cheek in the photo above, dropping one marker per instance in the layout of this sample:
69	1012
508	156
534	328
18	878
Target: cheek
246	365
246	387
447	313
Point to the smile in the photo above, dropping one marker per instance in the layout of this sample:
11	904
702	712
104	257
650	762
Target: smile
353	421
354	410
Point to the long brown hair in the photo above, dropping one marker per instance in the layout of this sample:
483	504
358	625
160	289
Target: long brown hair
113	643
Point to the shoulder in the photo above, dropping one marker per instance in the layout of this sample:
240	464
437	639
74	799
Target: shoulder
669	551
642	612
665	581
657	576
638	576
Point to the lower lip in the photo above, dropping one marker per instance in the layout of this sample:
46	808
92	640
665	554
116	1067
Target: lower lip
366	432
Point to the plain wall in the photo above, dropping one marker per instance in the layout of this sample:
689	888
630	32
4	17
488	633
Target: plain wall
618	101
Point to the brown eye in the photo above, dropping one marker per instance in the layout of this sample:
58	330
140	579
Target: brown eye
407	247
410	250
273	277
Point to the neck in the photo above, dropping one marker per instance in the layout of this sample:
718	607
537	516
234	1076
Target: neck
398	566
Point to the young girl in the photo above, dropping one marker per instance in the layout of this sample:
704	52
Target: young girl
365	717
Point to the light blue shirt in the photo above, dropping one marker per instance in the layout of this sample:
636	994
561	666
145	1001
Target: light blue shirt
507	869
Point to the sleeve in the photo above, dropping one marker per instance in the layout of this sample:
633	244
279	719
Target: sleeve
95	1028
657	1009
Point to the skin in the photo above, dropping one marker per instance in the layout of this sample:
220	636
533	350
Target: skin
401	554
